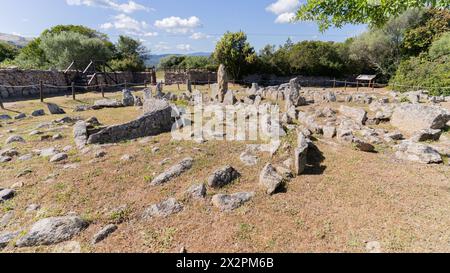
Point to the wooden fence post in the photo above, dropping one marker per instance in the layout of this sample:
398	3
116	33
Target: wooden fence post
345	85
73	91
357	86
373	86
41	91
145	84
103	90
1	104
126	84
334	83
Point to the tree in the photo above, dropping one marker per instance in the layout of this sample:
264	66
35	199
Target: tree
316	58
428	70
432	24
32	56
7	51
171	61
130	55
380	47
337	13
62	48
235	53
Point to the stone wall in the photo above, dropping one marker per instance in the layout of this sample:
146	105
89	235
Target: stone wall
16	83
196	76
269	80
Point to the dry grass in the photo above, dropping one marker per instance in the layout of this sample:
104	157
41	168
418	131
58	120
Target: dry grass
342	202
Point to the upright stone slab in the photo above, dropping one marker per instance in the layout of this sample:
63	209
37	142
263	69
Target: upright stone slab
222	81
127	98
147	94
188	86
157	119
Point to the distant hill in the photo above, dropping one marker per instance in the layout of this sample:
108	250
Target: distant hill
154	59
14	39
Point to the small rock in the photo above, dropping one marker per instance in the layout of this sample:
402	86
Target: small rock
14	138
126	158
103	233
4	159
52	231
6	238
373	247
58	157
20	116
5	117
25	157
9	152
69	247
364	146
329	131
223	176
231	202
300	159
4	221
174	171
38	113
6	194
427	134
197	191
32	208
55	109
163	209
100	154
270	179
35	132
57	136
248	158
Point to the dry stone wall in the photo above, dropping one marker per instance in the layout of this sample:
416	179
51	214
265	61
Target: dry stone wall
196	76
17	83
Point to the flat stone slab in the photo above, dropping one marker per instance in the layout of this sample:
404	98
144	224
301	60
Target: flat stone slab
173	172
52	230
163	209
229	202
106	103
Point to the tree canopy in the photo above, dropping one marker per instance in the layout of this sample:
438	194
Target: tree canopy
337	13
236	53
7	51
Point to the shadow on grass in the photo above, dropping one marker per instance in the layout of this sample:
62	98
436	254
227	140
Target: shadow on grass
314	163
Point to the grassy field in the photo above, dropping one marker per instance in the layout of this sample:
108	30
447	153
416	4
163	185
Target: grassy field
345	199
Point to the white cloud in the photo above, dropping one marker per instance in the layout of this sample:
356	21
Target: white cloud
178	25
284	9
129	25
285	18
184	47
128	7
161	46
199	36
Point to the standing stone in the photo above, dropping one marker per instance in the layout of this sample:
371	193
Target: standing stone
188	86
222	80
52	231
127	98
80	134
270	179
55	109
147	93
229	98
159	90
300	159
223	176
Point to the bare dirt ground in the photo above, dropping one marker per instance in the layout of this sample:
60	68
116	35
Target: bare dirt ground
345	199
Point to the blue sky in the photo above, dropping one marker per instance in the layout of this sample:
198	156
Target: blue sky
170	26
